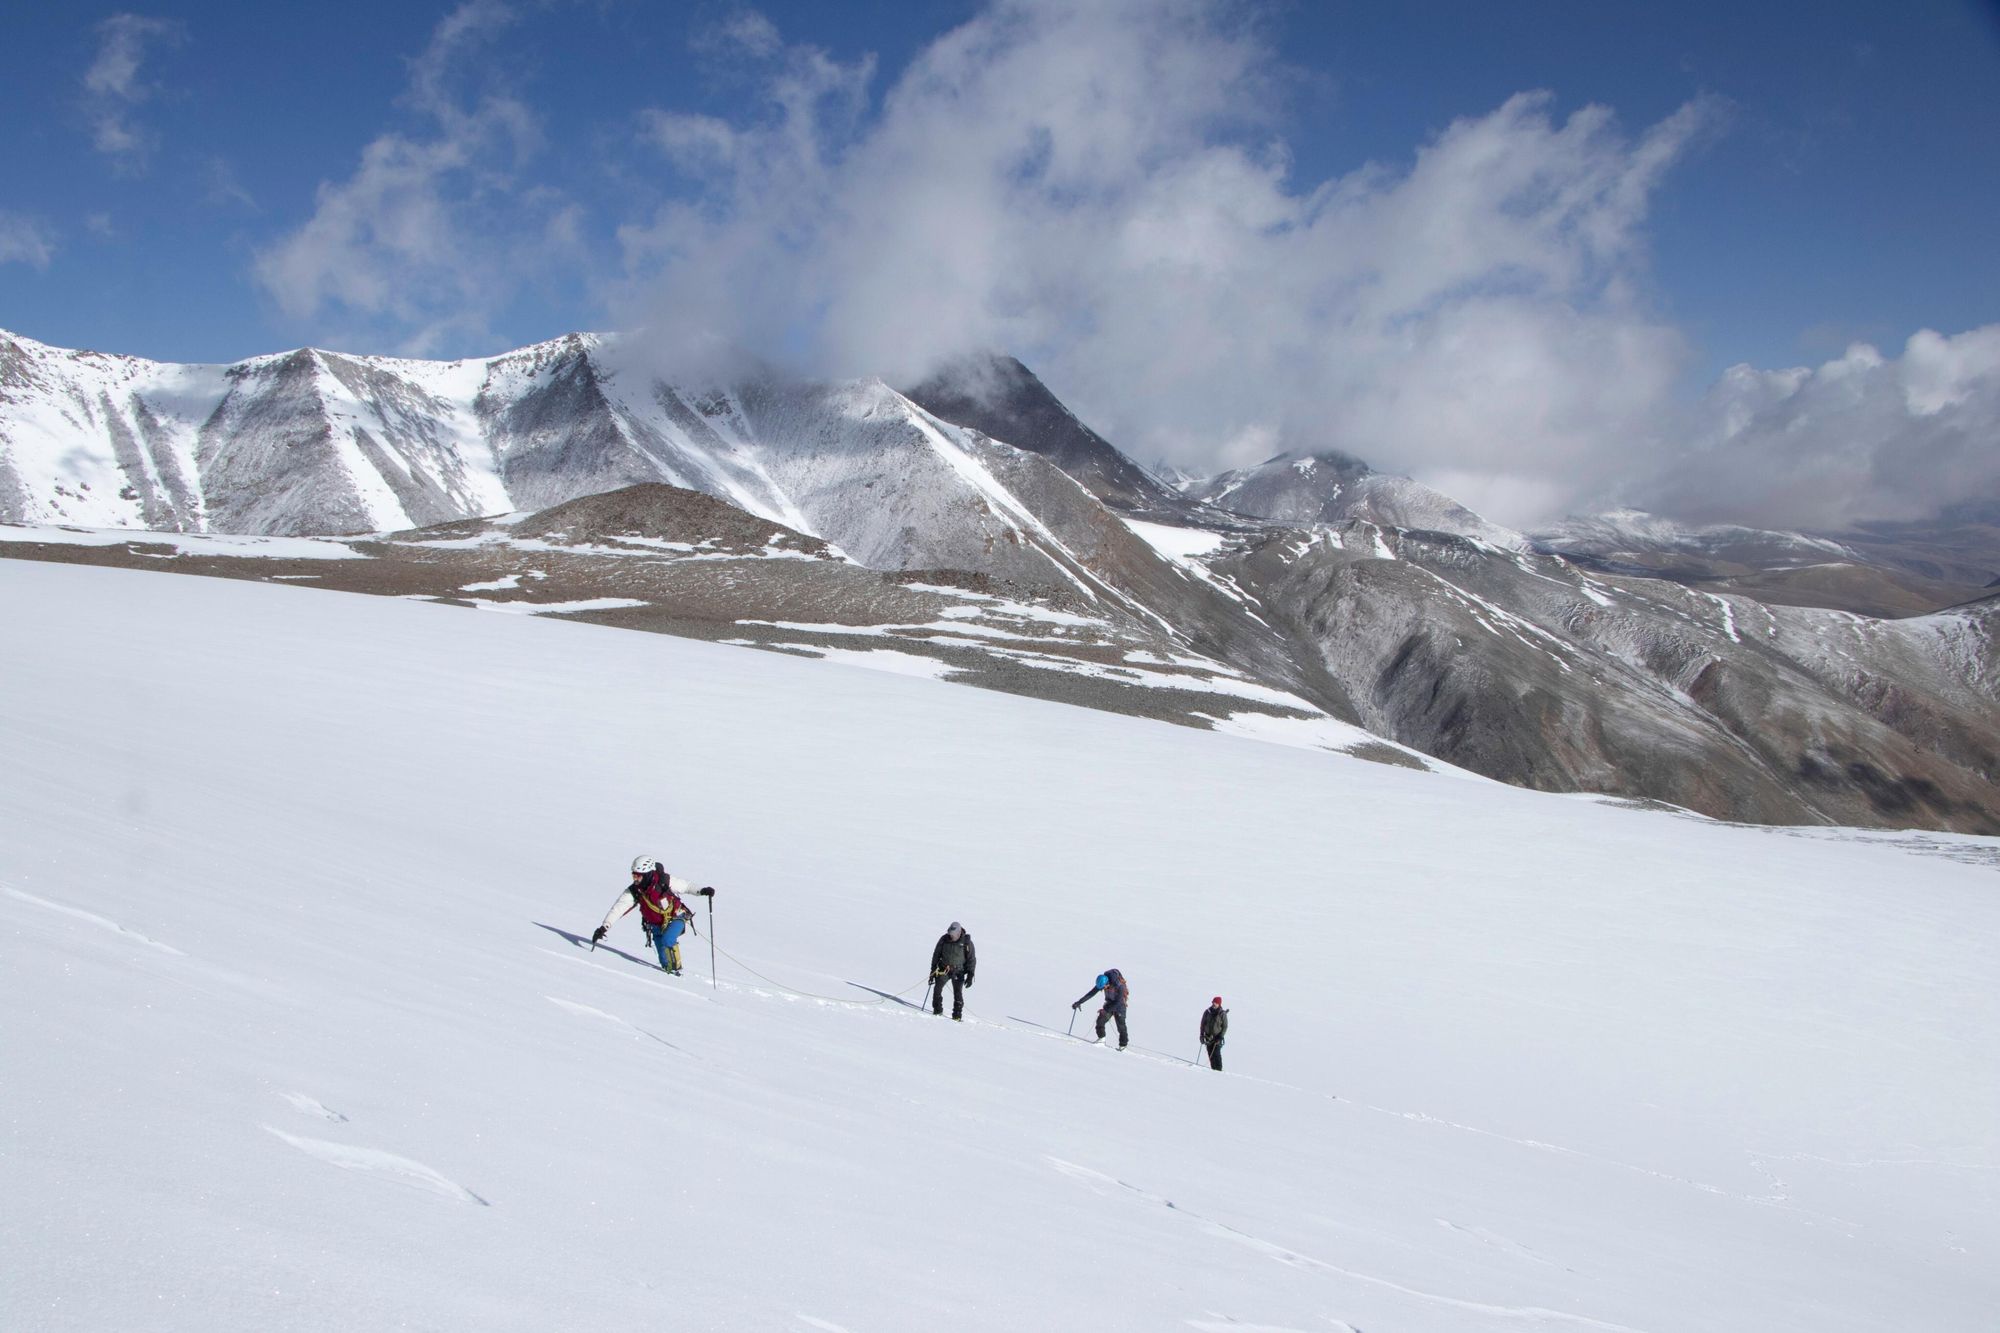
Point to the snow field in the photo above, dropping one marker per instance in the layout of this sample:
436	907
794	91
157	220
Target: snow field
296	1034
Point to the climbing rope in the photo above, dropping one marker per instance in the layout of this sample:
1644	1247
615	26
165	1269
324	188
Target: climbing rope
814	995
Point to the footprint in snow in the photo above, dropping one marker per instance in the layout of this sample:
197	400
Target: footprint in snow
94	919
1497	1241
313	1106
1111	1185
375	1162
571	1006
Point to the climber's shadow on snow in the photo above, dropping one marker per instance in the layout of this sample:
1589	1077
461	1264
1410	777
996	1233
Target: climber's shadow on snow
907	1004
583	942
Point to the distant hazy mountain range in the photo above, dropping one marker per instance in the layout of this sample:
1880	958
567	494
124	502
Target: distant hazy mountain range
974	528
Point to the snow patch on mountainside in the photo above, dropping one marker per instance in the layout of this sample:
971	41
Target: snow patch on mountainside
1181	545
187	543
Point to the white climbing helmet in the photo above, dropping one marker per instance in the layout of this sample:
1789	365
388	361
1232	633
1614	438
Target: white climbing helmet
644	865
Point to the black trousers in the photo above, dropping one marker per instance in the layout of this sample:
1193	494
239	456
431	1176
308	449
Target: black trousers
1105	1016
957	980
1215	1054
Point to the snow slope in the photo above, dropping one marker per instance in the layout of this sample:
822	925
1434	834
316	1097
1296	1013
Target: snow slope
297	1035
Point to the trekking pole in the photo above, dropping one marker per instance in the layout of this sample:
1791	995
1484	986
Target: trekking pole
709	893
1072	1022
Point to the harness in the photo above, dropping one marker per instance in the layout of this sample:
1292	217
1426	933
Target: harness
656	898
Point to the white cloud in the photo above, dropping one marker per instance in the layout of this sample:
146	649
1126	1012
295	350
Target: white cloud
24	241
747	31
1099	189
113	88
426	236
1863	436
222	188
1104	190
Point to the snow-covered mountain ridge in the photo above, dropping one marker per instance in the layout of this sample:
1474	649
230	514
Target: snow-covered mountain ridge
1326	592
316	442
1334	487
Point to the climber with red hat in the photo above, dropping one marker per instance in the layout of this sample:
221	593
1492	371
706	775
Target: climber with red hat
1214	1027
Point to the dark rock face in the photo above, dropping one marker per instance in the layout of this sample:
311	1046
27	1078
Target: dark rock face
269	460
1001	398
559	437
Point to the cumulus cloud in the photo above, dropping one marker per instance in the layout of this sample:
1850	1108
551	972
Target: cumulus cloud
113	88
422	237
1103	190
24	241
1863	436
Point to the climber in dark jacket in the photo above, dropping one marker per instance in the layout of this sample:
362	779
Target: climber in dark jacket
1116	993
955	961
1214	1027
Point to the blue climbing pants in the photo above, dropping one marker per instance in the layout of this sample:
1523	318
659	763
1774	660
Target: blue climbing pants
666	939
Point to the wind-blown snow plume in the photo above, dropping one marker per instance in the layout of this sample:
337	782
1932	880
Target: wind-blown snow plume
1099	189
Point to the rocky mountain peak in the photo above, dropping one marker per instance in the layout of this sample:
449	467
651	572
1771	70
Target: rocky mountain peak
1001	398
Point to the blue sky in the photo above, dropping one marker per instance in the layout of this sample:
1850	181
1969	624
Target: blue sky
1182	211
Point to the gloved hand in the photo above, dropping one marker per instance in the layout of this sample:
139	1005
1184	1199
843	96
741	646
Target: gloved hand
968	983
597	935
1076	1006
